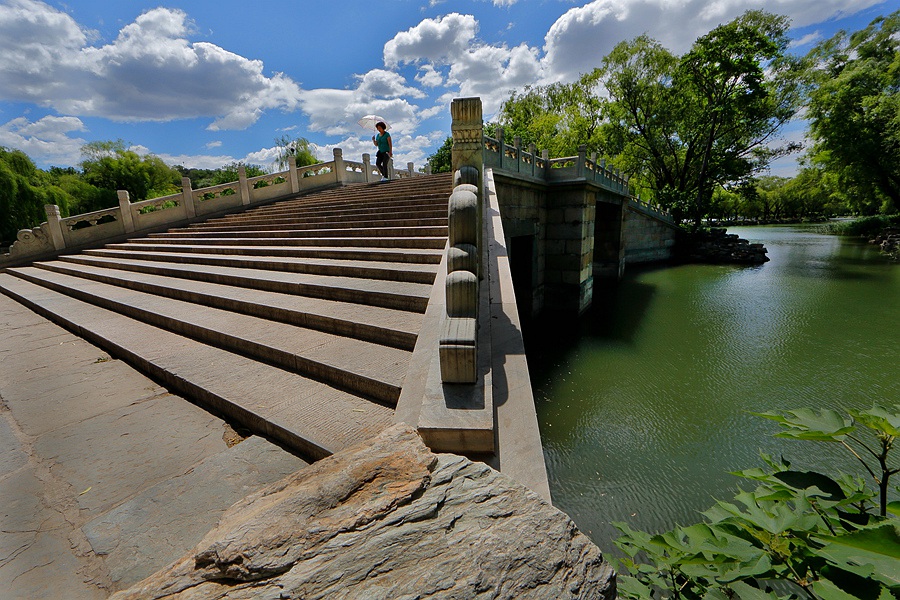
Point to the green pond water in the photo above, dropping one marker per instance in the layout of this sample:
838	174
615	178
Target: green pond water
643	403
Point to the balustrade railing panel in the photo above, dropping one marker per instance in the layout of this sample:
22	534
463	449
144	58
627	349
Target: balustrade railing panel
84	228
513	159
100	226
158	211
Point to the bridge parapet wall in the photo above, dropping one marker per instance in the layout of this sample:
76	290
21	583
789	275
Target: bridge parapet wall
647	239
64	234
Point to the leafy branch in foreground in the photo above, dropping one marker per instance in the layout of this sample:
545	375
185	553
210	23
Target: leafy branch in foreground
830	426
799	535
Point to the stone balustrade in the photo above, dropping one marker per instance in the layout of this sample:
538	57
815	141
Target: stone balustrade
60	234
458	343
581	168
459	333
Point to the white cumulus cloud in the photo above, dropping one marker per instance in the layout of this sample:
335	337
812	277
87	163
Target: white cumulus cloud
150	72
47	138
475	68
433	40
385	84
579	40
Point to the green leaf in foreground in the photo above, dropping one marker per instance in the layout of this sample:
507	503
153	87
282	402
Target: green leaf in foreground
879	419
804	480
825	425
869	552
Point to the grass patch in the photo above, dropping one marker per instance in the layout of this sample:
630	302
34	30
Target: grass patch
865	226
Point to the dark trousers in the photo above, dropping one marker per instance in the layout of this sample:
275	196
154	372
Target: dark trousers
381	161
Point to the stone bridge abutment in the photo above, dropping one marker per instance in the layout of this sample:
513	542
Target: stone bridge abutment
565	238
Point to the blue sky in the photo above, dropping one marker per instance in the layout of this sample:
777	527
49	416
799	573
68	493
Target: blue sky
204	84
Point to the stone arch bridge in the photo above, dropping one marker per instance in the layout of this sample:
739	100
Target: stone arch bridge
316	306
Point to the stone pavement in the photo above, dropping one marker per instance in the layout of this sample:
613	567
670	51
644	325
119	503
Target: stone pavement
105	477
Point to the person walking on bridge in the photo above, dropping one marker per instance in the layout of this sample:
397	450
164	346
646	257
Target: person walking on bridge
385	149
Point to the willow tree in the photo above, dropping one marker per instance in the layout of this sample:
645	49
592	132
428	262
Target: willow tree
24	190
299	148
854	111
704	119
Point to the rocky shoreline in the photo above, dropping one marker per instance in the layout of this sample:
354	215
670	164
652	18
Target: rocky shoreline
888	241
716	246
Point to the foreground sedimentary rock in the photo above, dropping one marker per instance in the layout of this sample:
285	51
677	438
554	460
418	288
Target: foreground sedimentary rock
389	519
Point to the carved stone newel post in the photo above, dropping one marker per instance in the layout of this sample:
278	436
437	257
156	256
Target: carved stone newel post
458	342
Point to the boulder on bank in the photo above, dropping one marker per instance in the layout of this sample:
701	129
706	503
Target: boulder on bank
718	247
389	519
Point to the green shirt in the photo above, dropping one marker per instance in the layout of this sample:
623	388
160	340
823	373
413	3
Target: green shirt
383	141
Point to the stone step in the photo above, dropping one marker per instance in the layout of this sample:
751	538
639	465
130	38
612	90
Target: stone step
346	200
352	196
370	219
329	252
386	294
299	232
362	368
438	183
406	207
307	416
264	225
389	327
145	532
389	271
347	207
342	219
430	243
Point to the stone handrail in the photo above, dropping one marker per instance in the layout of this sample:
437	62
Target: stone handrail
156	204
90	219
459	333
458	343
515	159
59	234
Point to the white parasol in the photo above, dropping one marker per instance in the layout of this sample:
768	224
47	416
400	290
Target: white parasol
369	122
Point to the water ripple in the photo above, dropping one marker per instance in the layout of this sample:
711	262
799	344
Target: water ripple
644	410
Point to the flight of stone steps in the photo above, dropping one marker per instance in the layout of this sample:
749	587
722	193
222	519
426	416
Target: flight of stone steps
295	320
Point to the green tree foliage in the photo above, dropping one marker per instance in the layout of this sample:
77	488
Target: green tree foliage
299	148
704	119
23	194
680	126
799	535
109	165
854	110
558	118
230	173
201	178
82	196
441	160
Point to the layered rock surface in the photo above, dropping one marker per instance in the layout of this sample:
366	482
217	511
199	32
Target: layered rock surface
389	519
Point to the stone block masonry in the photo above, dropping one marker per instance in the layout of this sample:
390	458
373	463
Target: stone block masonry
647	239
570	235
